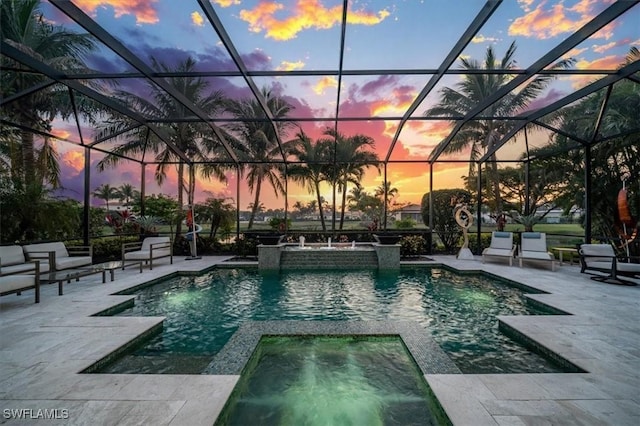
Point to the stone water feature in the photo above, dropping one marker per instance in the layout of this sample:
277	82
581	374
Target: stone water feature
328	256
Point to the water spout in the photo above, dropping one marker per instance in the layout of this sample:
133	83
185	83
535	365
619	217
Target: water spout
329	242
301	241
353	245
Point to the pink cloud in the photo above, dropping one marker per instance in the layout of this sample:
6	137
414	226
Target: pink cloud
143	10
546	22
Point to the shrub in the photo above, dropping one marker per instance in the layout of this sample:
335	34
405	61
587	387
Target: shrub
413	245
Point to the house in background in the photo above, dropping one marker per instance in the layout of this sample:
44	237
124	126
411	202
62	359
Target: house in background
412	211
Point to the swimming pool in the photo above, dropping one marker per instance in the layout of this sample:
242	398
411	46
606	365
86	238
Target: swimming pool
458	310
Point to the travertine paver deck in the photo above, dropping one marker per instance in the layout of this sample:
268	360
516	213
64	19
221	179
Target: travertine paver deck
43	346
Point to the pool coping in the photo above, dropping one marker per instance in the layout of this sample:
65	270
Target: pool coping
426	353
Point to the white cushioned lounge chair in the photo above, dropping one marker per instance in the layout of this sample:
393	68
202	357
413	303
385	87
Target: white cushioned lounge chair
533	246
602	258
150	249
501	246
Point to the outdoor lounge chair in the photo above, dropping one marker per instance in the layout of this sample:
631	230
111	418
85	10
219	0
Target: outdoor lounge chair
18	282
57	256
501	246
602	258
533	246
150	249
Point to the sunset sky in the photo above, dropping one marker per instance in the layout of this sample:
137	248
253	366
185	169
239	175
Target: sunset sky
305	35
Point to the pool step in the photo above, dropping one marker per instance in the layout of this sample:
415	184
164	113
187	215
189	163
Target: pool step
329	259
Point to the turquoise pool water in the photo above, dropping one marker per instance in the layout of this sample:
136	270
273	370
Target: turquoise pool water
203	312
331	381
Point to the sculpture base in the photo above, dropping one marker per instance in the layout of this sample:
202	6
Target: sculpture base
465	254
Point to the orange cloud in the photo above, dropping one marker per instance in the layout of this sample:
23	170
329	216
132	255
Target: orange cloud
325	82
290	66
197	19
74	160
544	23
606	63
574	52
61	133
306	14
143	10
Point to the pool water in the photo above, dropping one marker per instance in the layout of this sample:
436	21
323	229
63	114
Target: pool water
203	312
330	381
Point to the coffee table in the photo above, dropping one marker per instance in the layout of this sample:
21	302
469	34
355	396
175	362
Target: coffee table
75	274
67	275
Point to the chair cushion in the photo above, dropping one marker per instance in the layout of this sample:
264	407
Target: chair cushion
535	235
594	251
72	262
58	247
24	267
146	243
146	254
502	234
16	282
628	267
538	255
11	255
534	242
497	252
501	240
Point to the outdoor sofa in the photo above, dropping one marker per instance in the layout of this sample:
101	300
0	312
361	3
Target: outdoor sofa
25	279
57	256
13	261
150	249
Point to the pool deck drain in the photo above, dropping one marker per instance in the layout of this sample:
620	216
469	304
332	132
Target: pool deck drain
427	354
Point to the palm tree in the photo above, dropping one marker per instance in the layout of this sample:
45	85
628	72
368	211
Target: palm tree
192	138
313	165
260	149
23	26
481	135
106	192
352	158
386	193
219	212
126	193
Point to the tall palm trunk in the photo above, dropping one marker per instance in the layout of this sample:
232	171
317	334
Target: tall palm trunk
28	158
324	226
344	203
180	199
256	204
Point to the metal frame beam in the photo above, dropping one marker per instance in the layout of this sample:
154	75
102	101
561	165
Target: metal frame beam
578	94
54	74
604	18
215	21
82	19
481	18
